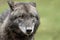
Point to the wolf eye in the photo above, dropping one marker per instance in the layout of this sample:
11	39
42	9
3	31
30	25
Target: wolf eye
22	16
19	16
31	15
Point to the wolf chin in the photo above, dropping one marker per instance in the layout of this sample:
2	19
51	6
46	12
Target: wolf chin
20	22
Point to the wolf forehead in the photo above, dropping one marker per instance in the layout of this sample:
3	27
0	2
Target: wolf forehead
25	8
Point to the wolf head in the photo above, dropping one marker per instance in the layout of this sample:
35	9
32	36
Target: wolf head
26	16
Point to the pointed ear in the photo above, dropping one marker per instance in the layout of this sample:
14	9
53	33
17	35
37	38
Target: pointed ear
11	4
33	4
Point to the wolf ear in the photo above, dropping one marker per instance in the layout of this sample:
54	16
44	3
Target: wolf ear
33	4
11	4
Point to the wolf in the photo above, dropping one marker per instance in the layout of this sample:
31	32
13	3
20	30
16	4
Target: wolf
20	22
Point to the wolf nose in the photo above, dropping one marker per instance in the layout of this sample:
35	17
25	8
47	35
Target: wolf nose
28	31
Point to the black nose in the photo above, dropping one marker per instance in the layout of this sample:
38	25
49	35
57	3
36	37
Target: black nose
28	31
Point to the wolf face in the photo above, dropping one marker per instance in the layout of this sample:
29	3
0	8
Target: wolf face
26	24
26	17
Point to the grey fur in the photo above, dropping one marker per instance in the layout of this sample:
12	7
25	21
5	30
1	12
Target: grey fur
14	23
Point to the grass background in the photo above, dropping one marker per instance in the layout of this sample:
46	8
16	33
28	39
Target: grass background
49	11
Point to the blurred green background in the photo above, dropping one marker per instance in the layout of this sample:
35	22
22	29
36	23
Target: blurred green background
49	11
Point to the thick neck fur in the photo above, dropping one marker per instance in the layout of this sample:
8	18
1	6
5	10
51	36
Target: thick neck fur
12	35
